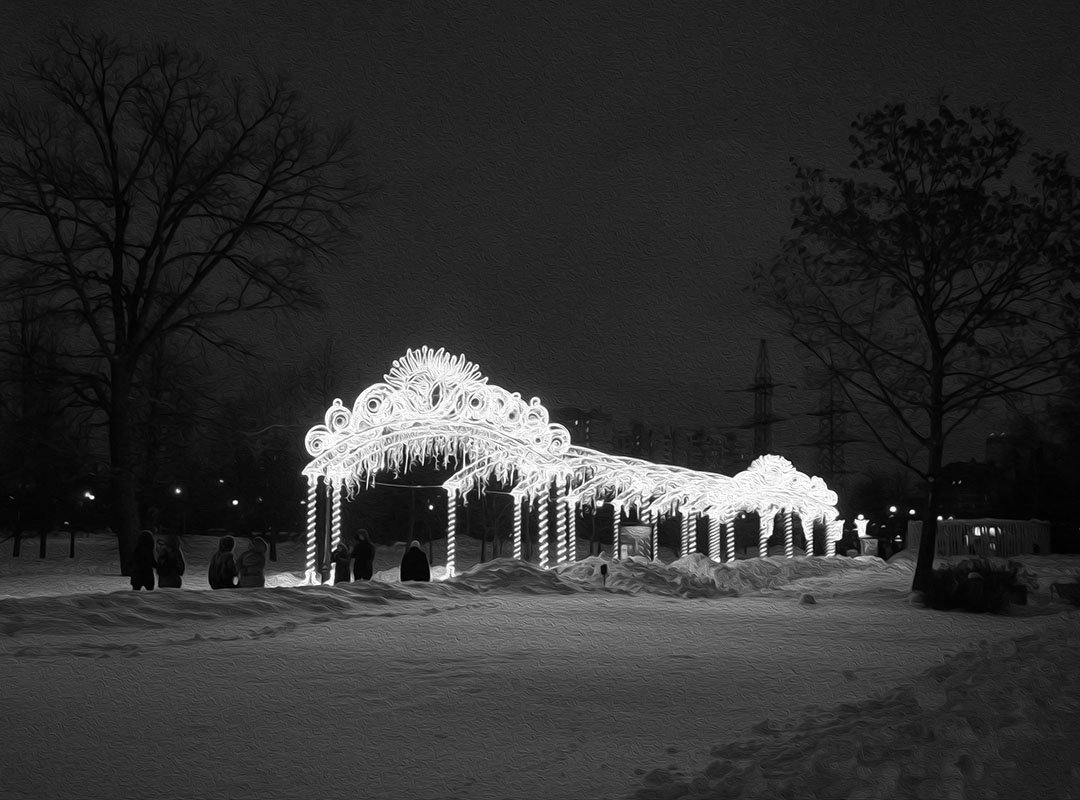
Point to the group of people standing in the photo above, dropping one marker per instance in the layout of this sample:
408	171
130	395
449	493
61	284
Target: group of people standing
354	559
248	571
165	557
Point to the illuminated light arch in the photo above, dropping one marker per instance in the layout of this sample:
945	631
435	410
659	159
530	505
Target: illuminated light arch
432	405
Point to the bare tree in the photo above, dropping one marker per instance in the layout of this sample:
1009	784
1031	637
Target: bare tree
143	194
930	285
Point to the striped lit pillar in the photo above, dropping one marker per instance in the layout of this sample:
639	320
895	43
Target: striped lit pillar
764	532
335	524
835	534
517	528
729	530
571	529
714	538
616	512
649	517
451	531
789	534
687	534
312	532
560	525
542	521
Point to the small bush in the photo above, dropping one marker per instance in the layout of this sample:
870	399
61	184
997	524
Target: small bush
977	586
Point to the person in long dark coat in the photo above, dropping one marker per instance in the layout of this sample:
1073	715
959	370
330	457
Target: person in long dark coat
222	572
414	564
170	563
143	562
251	565
363	557
341	555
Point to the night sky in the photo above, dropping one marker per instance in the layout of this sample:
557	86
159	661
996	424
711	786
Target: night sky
573	194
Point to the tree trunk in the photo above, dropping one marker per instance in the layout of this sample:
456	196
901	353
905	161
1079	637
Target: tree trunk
125	499
924	566
17	546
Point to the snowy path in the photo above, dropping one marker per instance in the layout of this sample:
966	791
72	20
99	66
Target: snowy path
472	696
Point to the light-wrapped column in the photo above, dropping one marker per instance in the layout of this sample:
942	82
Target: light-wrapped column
517	528
835	534
789	534
729	531
334	489
328	532
714	538
652	520
542	522
616	512
560	526
312	530
764	532
571	529
451	531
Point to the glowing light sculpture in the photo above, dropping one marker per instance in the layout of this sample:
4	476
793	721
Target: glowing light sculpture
764	532
714	539
432	406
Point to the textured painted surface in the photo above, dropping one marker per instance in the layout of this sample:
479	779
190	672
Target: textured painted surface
572	195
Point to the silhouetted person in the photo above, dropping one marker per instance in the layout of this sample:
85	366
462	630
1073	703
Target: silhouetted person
251	565
170	563
222	572
363	557
142	562
414	564
341	555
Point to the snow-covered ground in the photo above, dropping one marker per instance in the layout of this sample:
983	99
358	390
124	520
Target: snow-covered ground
681	679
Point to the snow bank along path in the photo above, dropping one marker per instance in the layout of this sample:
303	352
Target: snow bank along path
507	682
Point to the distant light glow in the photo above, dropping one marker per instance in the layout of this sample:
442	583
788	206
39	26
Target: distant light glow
177	490
911	512
236	502
892	509
89	495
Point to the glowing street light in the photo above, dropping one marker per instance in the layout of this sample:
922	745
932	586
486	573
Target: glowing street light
892	509
236	502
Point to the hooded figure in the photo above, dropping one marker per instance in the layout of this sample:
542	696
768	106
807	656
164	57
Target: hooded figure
250	565
170	563
342	558
414	564
363	558
143	562
222	572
